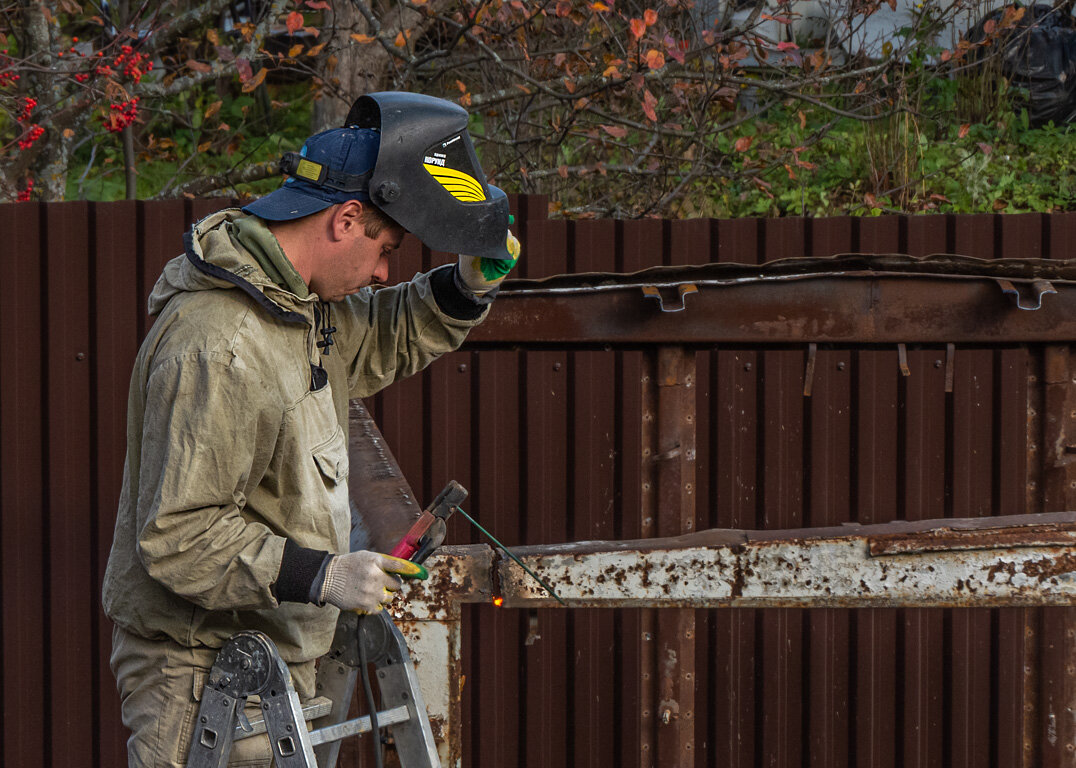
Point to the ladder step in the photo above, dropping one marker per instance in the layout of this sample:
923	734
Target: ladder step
393	716
312	710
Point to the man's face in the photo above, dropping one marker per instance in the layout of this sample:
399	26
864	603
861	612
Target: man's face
358	261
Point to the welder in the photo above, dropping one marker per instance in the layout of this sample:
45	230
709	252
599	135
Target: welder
234	513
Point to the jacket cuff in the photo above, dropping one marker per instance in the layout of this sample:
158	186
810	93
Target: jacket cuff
300	568
450	299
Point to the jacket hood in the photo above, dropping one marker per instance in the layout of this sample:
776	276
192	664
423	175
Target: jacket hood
227	266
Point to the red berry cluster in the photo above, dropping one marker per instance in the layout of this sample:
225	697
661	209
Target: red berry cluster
120	115
6	78
72	49
28	139
133	63
24	195
28	105
129	63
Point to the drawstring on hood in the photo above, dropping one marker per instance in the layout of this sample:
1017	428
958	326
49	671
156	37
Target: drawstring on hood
323	320
322	317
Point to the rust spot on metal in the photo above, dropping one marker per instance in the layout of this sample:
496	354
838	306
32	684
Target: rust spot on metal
1041	569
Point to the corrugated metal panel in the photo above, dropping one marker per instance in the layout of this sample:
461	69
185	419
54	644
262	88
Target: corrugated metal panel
117	310
22	495
877	687
550	444
70	325
68	483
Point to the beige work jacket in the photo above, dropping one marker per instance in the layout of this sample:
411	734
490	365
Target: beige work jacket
231	448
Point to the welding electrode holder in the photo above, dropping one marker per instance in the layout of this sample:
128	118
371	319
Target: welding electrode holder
426	535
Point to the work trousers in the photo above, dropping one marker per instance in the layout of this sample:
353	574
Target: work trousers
160	684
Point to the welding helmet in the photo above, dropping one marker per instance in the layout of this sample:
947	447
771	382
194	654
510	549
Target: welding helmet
427	177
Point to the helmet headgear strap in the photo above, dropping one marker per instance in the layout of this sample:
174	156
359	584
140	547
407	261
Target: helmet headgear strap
294	164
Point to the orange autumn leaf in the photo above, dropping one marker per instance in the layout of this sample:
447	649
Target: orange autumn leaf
649	103
638	28
650	16
363	39
294	22
655	59
255	81
743	143
964	130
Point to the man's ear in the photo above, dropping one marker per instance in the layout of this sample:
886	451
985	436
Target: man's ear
347	220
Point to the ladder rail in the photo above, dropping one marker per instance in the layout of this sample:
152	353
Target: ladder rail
249	664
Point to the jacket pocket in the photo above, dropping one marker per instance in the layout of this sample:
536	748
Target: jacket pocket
331	457
201	677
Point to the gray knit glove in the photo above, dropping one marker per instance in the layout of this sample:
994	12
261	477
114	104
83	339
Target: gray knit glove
362	581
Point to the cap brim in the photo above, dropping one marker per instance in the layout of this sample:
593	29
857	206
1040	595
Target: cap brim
285	204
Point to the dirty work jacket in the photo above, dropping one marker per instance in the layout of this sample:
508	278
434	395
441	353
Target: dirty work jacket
237	441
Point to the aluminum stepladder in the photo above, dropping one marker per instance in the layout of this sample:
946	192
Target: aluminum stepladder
249	664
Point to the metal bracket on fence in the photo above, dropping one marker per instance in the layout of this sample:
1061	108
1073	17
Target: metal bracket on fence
902	360
1038	287
683	290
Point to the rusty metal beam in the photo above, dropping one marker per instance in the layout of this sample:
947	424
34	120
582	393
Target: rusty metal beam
1019	560
855	308
667	669
1053	699
431	623
1029	564
1025	560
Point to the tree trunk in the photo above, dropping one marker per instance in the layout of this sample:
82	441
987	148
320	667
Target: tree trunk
130	175
358	68
48	166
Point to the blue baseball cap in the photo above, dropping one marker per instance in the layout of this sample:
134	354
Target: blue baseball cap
333	167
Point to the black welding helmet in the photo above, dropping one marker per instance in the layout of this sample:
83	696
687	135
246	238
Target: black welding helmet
427	176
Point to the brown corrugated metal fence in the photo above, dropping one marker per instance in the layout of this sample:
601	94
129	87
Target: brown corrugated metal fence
550	442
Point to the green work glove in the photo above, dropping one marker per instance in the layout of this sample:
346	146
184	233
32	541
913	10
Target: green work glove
364	581
479	277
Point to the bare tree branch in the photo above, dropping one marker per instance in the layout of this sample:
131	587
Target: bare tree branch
203	185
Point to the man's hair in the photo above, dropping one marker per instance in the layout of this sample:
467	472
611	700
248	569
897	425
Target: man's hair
375	221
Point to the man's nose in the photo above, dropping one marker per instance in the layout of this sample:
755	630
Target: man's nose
381	274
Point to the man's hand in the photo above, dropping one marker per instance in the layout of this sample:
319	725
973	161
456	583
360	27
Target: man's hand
364	581
480	276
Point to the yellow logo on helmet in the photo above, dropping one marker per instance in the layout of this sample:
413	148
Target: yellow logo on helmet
464	188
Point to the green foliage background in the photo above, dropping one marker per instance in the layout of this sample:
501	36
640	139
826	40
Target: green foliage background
180	142
931	162
946	152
